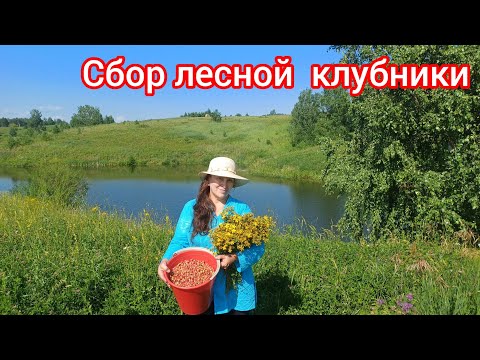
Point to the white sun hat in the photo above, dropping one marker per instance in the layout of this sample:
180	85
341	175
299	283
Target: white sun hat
225	167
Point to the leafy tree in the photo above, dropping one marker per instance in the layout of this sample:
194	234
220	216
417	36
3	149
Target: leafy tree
49	121
216	115
108	119
35	120
305	115
62	124
333	121
13	130
413	163
320	115
19	121
86	116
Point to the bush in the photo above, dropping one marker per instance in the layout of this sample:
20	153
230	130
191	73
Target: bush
216	116
59	184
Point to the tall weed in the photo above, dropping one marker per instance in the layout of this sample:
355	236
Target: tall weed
58	183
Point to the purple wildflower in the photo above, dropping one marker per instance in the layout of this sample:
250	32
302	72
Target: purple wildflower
380	301
406	307
409	296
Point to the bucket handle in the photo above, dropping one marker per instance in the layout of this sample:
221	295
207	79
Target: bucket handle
216	270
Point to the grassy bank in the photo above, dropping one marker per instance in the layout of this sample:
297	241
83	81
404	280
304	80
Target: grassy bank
259	145
59	260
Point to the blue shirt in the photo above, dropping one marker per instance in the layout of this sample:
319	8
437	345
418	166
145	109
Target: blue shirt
243	298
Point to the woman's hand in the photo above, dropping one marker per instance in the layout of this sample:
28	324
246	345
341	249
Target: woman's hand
226	260
162	268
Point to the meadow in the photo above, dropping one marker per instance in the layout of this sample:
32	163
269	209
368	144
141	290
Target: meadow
59	259
258	144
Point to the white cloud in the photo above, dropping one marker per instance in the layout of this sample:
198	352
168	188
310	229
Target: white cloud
13	113
47	111
120	118
49	108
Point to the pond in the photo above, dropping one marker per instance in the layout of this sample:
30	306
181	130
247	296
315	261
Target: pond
164	192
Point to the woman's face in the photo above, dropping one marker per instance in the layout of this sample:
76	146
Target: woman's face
220	186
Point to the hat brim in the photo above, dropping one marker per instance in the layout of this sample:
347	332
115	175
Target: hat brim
239	180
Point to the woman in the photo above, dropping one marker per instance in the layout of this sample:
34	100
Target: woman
202	214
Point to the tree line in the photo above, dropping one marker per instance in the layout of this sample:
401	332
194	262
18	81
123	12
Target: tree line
87	115
409	159
215	115
24	122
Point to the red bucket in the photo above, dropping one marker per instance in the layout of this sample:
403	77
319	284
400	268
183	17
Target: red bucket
194	300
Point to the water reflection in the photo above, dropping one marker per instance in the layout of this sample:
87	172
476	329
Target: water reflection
313	203
163	192
6	183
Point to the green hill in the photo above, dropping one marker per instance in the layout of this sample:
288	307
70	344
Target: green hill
259	145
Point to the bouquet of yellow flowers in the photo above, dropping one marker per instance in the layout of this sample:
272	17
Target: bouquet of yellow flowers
237	233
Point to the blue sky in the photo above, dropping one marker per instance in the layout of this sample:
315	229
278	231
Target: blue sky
47	78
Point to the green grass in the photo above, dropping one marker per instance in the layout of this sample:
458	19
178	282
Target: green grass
59	259
62	260
259	145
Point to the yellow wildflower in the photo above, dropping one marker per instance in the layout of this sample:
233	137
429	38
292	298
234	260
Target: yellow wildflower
237	233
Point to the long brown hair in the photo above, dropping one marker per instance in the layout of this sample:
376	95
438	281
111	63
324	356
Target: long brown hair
203	210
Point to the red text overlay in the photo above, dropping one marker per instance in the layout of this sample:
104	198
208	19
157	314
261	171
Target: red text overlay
379	74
